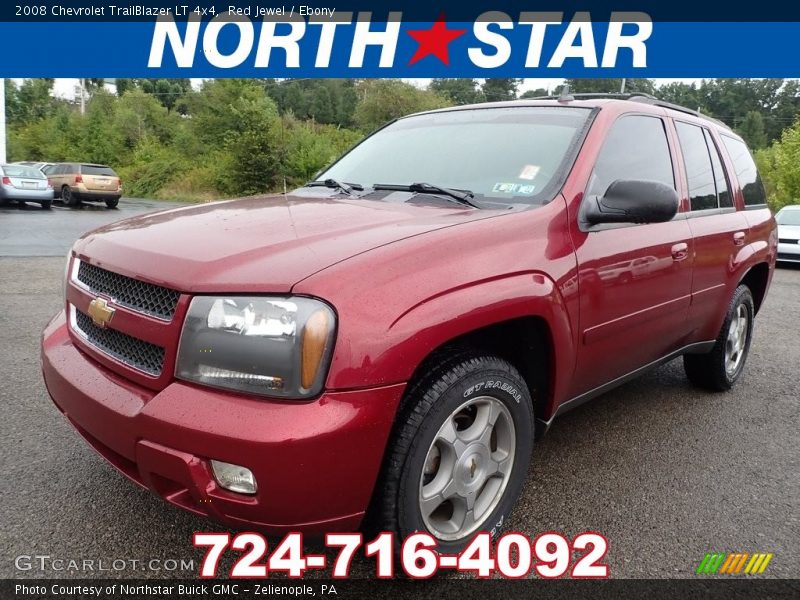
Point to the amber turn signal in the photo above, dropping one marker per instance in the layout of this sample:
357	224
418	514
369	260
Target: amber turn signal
315	336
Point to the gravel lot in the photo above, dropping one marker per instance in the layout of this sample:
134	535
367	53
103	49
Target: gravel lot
666	472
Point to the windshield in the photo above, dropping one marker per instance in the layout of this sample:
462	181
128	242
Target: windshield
510	154
788	217
21	171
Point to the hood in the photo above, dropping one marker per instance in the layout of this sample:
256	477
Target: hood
260	244
791	232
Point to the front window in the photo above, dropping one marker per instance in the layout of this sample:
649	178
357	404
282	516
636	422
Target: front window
513	155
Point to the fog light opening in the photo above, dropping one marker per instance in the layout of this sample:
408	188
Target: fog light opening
234	478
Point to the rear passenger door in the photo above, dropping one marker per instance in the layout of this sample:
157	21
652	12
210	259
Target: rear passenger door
718	228
635	280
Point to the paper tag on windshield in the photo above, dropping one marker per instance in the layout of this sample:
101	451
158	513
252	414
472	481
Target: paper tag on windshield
529	172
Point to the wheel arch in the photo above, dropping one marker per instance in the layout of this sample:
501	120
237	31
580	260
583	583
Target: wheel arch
757	279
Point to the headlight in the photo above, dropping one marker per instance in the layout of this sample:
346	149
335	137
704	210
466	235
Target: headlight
272	346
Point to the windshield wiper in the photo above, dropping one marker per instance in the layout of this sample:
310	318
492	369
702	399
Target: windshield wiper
334	184
460	196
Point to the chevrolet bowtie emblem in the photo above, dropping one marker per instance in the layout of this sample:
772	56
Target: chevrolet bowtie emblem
100	312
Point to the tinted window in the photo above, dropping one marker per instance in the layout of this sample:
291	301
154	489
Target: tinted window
721	182
700	175
746	171
97	170
511	154
50	170
636	148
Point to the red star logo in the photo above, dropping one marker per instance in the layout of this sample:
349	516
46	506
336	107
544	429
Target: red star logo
434	41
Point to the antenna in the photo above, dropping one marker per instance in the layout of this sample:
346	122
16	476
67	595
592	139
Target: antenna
565	96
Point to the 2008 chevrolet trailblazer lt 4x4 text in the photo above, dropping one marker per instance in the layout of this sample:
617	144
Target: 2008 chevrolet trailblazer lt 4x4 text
385	344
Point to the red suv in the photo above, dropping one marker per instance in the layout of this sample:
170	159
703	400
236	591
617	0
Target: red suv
388	341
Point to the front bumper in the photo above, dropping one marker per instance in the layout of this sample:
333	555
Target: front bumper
316	463
788	252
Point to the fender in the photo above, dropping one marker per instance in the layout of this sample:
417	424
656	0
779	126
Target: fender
431	323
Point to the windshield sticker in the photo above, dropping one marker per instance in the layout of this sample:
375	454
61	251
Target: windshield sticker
529	172
513	188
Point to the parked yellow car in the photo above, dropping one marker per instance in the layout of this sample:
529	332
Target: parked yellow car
83	182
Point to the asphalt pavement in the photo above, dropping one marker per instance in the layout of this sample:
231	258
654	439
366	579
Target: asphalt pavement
665	472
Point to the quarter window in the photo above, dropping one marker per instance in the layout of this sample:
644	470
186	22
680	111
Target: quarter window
636	148
699	172
746	171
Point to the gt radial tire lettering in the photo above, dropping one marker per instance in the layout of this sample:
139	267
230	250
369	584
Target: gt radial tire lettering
491	384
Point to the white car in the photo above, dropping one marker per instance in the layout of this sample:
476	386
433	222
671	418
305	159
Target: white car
788	219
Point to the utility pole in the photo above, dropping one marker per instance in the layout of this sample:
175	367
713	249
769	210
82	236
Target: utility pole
83	96
622	86
2	120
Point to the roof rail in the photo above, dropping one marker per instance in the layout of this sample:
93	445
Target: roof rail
664	104
593	95
642	97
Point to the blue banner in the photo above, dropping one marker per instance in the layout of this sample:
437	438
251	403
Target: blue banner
344	44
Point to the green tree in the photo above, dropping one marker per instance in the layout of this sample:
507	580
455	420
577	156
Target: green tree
497	90
30	101
457	90
385	99
609	86
752	130
535	93
780	167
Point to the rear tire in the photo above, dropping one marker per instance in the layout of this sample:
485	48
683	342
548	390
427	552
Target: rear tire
47	204
719	369
466	427
112	202
69	197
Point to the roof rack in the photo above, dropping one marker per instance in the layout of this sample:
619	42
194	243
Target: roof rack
642	97
566	96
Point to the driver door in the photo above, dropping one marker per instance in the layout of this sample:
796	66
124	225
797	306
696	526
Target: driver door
635	280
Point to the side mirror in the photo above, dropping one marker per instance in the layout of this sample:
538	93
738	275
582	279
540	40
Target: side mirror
633	201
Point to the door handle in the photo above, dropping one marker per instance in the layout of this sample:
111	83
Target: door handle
738	238
680	251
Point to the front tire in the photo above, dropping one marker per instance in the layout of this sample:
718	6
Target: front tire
721	368
460	451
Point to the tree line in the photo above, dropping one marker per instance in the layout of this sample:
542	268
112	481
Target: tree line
232	137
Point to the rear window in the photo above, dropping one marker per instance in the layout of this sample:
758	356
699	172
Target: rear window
97	170
746	172
22	171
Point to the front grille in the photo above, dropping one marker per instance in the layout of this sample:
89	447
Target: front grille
142	297
787	256
135	353
788	241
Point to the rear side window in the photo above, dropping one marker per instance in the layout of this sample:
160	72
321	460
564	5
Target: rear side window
720	180
746	172
636	148
97	170
699	172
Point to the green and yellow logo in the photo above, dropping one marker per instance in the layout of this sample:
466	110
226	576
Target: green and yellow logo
734	563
